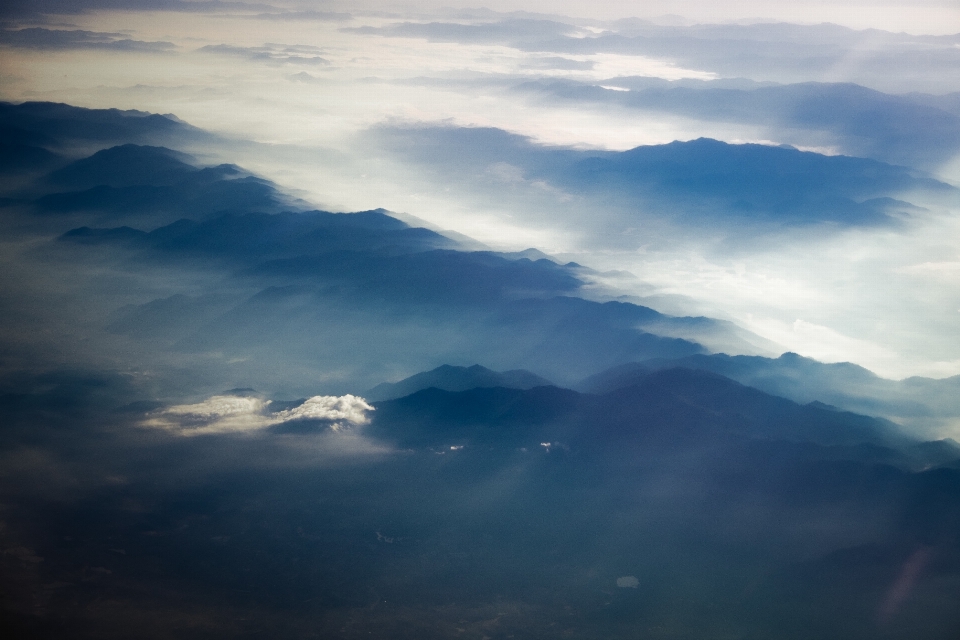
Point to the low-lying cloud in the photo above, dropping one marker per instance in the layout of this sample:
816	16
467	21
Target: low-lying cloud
31	8
243	414
341	411
321	16
298	53
510	32
62	39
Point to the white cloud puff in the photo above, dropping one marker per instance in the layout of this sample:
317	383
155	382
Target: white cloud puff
342	411
239	414
218	407
628	582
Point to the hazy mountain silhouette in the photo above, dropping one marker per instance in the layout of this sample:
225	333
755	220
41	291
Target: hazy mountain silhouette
289	269
21	151
520	312
922	403
670	406
248	238
450	378
918	130
706	180
151	186
318	269
70	128
125	166
753	180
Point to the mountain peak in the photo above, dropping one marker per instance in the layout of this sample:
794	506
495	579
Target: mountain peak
453	378
125	165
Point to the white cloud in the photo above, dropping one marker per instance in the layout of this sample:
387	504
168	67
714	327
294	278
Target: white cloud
628	582
943	269
821	342
219	414
916	16
238	414
342	411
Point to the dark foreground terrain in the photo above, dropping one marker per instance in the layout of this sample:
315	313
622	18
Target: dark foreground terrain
683	506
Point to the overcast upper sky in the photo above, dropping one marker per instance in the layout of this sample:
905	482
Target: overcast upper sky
320	86
916	16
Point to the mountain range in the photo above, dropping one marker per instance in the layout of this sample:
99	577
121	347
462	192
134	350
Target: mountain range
703	182
222	406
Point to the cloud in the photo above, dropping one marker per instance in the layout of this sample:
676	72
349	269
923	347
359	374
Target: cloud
244	414
820	342
946	269
323	16
297	53
558	63
784	53
895	62
858	121
219	414
62	39
513	32
303	76
628	582
341	411
25	8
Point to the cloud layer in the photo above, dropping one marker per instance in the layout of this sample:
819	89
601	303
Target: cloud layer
245	414
64	39
305	102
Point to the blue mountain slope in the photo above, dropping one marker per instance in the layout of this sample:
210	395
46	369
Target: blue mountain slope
756	370
706	180
750	181
152	186
371	279
949	102
69	127
197	197
124	166
246	239
921	403
918	131
23	151
398	298
421	298
451	378
667	408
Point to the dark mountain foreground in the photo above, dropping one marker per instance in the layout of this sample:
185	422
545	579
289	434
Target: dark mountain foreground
451	378
924	404
684	506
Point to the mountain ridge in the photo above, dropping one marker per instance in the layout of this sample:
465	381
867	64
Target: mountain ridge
453	378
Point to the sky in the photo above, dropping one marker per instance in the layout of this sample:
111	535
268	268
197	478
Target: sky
342	105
